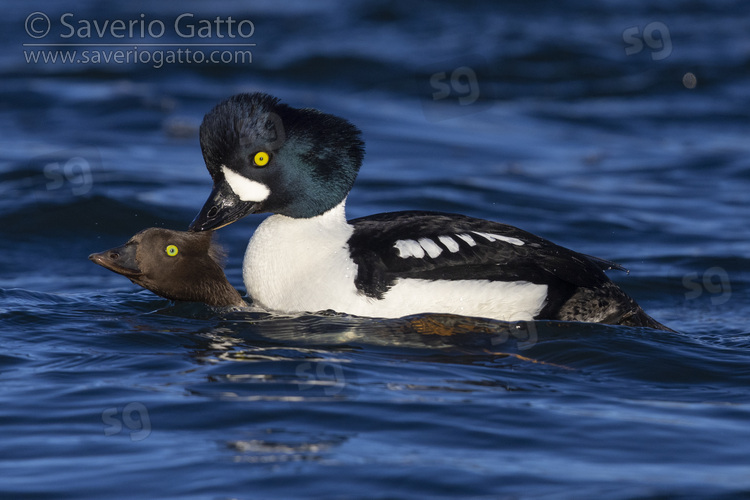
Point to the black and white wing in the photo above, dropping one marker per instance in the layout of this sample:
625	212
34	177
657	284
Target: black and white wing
440	246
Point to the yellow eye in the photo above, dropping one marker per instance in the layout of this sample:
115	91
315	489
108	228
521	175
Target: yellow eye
261	158
172	250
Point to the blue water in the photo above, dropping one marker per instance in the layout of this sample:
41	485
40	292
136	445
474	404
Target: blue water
576	122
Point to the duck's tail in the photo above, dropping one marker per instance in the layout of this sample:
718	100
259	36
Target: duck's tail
638	317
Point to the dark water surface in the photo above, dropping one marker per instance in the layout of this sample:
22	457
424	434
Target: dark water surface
580	123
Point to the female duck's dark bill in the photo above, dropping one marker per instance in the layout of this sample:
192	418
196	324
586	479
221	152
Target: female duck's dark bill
222	208
121	260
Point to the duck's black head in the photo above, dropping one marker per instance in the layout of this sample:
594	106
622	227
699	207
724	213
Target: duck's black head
264	156
174	264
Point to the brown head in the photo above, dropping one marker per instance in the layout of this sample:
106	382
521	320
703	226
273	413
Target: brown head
176	265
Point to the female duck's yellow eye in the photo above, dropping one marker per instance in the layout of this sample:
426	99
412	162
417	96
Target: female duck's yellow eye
261	158
171	250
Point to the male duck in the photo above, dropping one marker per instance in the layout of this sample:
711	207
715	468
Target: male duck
300	164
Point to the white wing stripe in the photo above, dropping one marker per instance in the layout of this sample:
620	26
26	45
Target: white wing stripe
494	237
426	246
449	243
409	248
468	239
432	249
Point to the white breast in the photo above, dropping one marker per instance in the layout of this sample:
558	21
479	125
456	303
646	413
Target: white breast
298	265
295	265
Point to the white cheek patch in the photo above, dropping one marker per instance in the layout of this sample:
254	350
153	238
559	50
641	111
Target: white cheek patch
494	237
246	189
